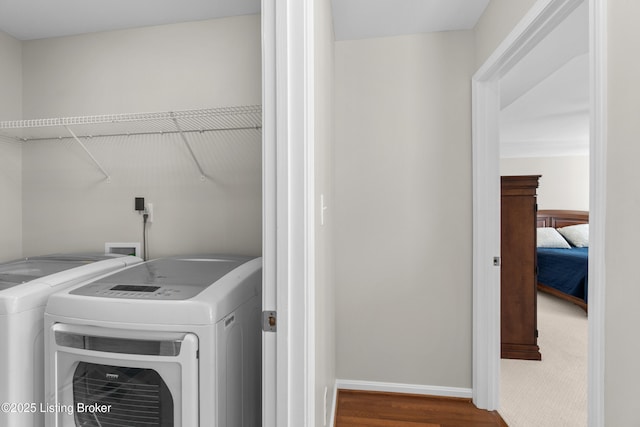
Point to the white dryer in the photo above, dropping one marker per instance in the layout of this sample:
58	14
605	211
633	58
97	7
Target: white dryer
25	286
170	342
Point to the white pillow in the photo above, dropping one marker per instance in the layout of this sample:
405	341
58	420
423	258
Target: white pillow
577	235
548	237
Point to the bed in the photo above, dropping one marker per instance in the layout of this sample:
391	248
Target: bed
562	271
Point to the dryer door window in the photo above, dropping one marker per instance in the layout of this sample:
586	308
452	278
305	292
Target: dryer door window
92	383
127	396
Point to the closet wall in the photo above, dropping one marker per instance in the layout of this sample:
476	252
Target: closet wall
67	203
10	152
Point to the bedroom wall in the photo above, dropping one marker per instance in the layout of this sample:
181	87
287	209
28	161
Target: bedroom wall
324	281
564	183
402	209
10	152
68	205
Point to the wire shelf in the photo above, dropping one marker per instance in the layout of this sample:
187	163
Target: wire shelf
183	122
203	120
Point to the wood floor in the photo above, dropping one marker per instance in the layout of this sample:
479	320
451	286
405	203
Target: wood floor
375	409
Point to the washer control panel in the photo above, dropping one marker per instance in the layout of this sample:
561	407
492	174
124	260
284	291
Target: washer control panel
139	291
129	291
162	279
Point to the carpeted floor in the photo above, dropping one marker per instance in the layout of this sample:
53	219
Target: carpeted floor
551	392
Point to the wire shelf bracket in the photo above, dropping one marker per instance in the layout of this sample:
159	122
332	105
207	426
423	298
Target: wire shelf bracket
106	174
186	142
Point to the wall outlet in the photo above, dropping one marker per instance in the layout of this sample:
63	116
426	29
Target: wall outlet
150	212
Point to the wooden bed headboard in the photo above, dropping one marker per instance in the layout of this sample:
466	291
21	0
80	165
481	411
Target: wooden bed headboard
561	218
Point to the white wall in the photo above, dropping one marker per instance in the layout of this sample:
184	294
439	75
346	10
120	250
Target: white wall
10	78
623	204
564	183
325	282
402	213
68	206
10	152
191	65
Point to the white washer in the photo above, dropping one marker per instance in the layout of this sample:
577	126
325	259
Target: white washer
25	286
170	342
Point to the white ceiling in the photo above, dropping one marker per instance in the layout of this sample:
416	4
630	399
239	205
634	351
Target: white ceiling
37	19
353	19
552	119
545	97
358	19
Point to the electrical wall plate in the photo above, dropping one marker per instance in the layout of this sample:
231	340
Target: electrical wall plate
123	248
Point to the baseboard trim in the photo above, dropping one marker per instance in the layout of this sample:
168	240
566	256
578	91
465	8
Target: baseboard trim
430	390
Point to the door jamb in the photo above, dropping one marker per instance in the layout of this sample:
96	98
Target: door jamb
288	205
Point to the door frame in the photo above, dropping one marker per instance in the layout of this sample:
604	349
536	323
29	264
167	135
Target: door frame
288	388
543	17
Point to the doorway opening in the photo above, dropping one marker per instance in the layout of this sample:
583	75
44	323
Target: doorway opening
544	133
542	19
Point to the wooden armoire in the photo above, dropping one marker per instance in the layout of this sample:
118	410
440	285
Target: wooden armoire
518	277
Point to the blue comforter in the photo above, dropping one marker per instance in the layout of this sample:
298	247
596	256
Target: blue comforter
564	270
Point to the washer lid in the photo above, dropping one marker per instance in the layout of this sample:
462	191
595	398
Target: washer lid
175	278
25	270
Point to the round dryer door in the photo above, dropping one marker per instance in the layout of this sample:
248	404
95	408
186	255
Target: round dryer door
120	396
